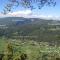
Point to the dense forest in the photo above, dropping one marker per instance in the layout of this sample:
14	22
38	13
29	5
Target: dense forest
30	28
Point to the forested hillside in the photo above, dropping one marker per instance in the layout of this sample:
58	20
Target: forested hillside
30	28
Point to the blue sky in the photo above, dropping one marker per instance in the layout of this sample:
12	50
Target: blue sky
45	11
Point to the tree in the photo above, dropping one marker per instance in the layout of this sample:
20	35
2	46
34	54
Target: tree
1	56
9	52
30	4
23	56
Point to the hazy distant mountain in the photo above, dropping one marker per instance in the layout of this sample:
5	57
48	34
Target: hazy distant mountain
17	21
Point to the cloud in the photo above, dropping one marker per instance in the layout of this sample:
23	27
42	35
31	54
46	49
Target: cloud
21	13
28	14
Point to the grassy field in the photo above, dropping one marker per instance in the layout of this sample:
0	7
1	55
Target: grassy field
34	50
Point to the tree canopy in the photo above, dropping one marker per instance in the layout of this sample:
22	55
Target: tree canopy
30	4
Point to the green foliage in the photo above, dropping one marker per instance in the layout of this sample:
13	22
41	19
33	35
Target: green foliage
23	56
30	50
9	52
1	56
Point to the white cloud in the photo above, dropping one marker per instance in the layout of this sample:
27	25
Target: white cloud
28	14
21	13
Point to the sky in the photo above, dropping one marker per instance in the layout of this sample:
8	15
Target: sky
45	12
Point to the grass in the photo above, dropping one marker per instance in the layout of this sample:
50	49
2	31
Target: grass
34	50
